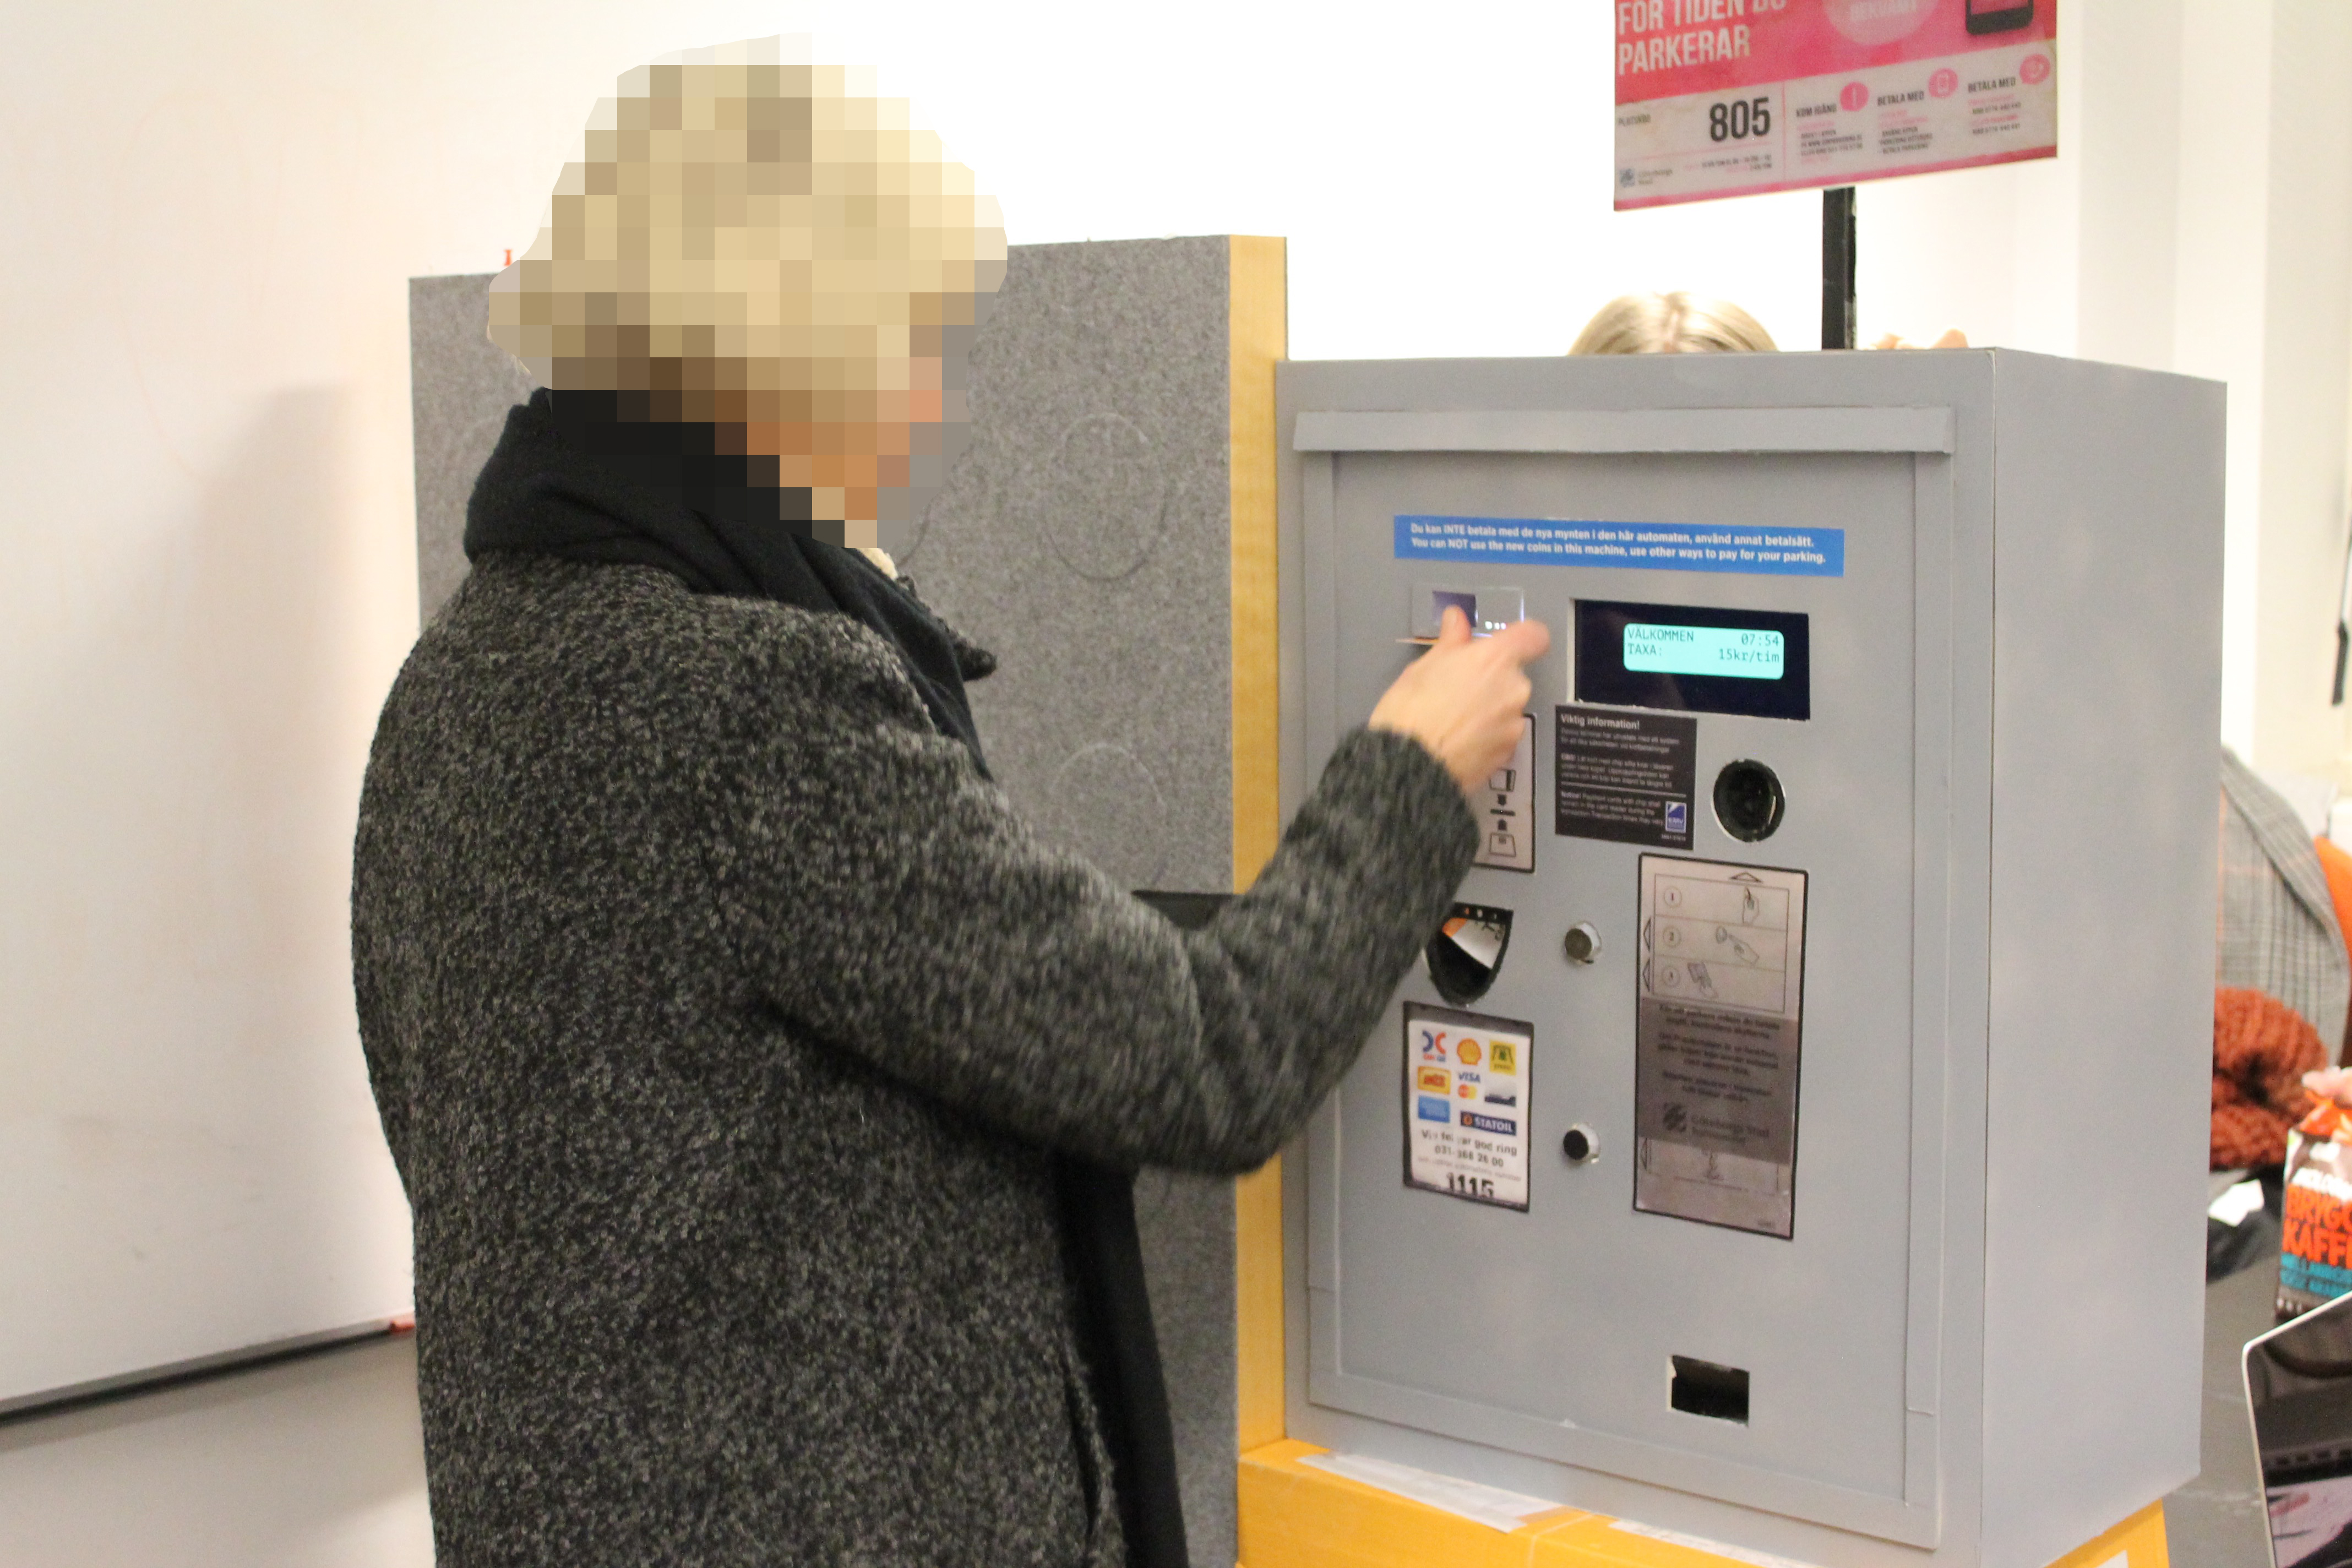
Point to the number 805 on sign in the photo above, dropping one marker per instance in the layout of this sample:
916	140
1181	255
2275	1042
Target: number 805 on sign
1738	119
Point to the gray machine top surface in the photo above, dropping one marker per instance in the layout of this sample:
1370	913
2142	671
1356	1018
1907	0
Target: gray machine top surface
1837	1280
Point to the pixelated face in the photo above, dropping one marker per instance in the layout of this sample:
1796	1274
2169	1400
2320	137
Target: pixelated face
753	243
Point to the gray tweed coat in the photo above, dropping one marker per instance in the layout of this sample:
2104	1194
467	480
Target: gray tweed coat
721	1015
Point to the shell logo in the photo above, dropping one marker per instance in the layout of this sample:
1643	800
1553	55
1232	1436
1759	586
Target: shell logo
1468	1051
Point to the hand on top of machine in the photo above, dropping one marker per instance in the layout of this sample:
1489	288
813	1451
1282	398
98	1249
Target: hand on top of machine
1464	697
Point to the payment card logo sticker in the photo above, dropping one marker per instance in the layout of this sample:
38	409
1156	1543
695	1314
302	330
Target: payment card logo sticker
1465	1150
1677	817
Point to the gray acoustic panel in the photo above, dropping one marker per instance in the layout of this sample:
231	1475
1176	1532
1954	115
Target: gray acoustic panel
1087	539
460	386
1187	1226
1084	536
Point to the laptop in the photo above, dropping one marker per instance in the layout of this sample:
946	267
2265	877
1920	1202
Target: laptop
2299	1389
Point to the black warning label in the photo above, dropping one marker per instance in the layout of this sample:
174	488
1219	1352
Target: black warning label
1627	778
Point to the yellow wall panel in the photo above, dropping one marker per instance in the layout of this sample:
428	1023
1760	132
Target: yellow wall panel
1258	330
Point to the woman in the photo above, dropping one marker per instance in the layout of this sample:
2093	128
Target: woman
1675	323
726	1023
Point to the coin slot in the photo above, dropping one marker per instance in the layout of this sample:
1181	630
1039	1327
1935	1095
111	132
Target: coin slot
1704	1388
1466	953
1749	803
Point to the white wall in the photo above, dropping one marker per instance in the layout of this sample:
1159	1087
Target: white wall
2306	326
211	211
2198	219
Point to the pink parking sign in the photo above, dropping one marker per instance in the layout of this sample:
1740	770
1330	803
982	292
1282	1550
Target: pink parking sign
1728	97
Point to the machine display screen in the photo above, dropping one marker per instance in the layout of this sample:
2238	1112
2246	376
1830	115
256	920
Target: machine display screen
1692	659
1748	653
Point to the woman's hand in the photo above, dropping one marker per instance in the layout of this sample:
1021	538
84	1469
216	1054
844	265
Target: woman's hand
1463	699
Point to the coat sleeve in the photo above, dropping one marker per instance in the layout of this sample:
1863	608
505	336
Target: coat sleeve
889	902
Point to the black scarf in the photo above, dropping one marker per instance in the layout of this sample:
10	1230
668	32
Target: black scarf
574	476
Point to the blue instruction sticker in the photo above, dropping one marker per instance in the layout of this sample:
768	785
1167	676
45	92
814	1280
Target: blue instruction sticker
1656	546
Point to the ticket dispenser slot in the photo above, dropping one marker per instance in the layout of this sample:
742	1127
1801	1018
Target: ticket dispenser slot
1703	1388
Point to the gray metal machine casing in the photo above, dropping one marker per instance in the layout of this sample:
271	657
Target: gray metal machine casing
1980	1345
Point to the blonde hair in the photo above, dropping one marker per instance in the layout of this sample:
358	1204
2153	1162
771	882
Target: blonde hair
752	240
1676	323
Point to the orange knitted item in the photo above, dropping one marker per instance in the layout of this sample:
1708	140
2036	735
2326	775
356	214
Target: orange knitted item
2262	1049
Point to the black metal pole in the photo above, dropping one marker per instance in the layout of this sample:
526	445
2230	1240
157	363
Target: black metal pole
1837	267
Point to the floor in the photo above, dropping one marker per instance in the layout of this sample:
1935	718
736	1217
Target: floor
2216	1521
314	1463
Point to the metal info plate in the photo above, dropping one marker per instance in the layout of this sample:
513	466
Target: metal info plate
1716	1043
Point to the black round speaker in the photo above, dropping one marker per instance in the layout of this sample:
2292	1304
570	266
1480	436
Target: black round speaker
1747	800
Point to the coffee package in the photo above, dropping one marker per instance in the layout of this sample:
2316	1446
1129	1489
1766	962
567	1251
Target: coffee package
2315	1250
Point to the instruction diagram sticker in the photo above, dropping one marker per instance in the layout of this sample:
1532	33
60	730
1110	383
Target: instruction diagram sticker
1624	776
1720	1005
1507	807
1466	1090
